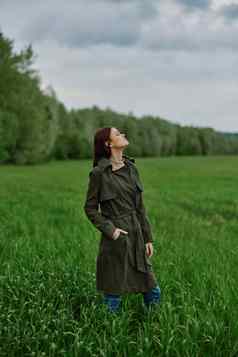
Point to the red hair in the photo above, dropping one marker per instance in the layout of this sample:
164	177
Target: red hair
100	148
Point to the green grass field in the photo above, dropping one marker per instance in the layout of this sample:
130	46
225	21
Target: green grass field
48	248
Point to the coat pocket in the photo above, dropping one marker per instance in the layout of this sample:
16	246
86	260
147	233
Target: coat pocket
121	235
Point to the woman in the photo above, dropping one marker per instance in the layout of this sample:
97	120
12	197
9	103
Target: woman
125	247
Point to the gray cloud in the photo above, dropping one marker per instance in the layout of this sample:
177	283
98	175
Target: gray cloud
132	23
229	12
195	4
197	40
196	32
128	23
91	23
148	8
83	31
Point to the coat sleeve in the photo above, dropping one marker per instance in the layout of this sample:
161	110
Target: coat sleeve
145	223
91	206
144	219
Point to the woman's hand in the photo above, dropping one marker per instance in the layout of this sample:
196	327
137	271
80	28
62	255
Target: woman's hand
149	249
117	232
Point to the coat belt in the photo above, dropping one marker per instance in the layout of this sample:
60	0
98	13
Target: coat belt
140	260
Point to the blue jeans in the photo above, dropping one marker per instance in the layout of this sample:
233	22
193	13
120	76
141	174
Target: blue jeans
113	301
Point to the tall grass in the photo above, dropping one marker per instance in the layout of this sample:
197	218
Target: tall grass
48	302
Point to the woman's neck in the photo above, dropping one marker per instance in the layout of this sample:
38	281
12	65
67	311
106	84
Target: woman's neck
117	160
117	157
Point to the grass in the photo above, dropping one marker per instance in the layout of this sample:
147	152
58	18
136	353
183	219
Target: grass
48	248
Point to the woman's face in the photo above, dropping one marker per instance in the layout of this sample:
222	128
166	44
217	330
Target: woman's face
117	139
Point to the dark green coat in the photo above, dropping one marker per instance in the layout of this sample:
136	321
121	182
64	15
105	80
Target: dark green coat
122	264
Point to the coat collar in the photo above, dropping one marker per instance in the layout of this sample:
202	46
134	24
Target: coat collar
104	162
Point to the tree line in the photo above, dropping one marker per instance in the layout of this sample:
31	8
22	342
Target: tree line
36	127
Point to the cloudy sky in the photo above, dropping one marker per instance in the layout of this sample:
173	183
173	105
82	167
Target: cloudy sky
177	59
